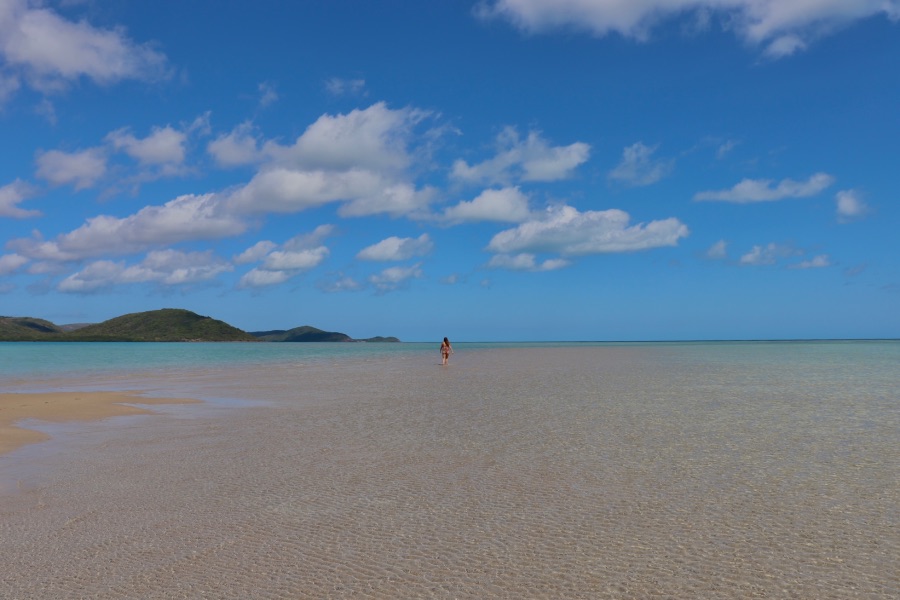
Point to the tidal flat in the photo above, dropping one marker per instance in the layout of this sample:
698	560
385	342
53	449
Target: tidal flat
553	471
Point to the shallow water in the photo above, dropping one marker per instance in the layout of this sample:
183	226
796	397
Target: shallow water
588	471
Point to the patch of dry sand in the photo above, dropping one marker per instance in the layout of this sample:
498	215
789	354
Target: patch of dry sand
57	407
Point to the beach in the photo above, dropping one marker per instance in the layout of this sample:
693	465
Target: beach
569	471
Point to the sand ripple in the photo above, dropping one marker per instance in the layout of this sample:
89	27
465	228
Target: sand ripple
547	473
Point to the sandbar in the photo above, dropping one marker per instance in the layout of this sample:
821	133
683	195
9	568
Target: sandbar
56	407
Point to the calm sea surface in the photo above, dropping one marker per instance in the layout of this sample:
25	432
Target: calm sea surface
637	470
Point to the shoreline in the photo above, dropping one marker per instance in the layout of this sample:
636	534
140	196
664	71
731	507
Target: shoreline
58	407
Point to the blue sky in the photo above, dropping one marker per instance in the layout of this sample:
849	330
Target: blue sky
496	170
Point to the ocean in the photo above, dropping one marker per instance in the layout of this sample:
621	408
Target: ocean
545	470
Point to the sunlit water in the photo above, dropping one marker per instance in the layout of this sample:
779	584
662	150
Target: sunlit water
731	470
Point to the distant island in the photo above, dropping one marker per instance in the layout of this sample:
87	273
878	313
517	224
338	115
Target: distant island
165	325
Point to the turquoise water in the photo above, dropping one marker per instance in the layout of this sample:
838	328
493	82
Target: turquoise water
21	361
49	359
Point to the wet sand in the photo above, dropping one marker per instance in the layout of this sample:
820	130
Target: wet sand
56	407
548	473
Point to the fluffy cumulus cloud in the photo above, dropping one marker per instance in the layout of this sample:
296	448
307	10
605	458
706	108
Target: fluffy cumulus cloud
278	264
164	267
360	159
850	206
237	148
11	262
394	278
765	190
40	47
255	253
529	159
506	205
375	138
397	248
185	218
80	169
11	195
639	167
396	200
566	231
779	27
163	146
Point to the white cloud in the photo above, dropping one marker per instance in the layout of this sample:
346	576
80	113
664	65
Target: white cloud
506	205
375	138
395	277
567	231
850	205
237	148
294	260
781	27
255	253
10	196
817	262
525	262
718	251
11	262
341	283
763	190
182	219
531	159
49	51
396	200
638	167
81	169
310	240
283	190
767	255
166	267
257	278
396	248
279	263
46	268
163	146
360	159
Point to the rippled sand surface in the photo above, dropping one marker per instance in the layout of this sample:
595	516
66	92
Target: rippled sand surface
596	472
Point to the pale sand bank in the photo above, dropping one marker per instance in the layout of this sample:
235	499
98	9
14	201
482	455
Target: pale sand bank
57	407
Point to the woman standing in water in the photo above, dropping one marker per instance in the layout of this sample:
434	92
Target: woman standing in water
446	351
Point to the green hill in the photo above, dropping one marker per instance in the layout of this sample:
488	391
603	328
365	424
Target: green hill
25	328
307	333
166	325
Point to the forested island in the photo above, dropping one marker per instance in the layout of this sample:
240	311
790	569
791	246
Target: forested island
164	325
